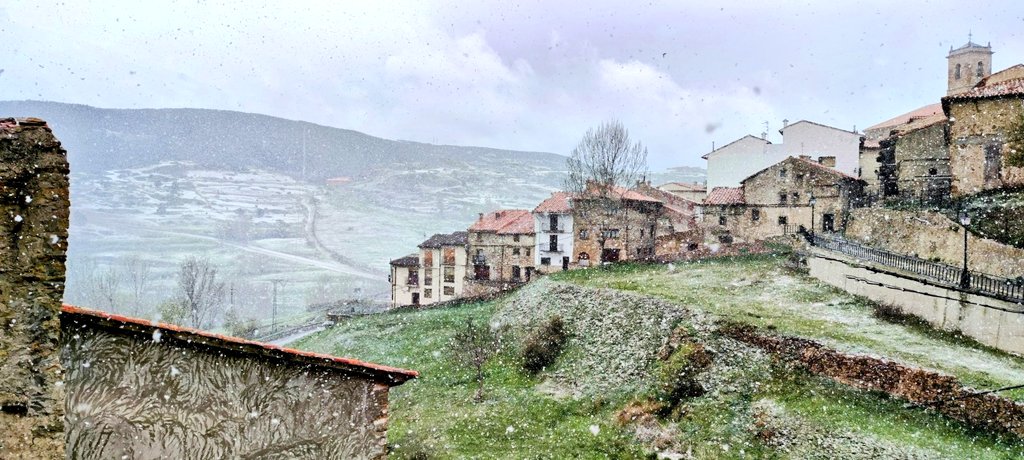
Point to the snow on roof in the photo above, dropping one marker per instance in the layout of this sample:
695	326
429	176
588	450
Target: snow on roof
195	337
497	221
445	239
557	202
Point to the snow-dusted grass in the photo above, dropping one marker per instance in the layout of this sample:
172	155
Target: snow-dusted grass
570	410
758	290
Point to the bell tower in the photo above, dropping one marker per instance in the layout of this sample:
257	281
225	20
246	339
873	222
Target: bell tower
968	64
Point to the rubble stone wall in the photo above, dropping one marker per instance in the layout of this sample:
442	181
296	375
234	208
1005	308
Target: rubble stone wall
34	210
942	393
933	236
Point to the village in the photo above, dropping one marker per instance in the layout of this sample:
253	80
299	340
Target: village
811	185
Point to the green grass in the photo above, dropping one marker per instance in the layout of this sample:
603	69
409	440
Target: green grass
757	290
435	416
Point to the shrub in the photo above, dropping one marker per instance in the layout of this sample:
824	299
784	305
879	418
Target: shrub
542	347
677	377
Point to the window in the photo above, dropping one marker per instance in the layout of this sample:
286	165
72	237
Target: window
782	172
932	171
515	238
428	278
583	234
449	290
449	256
427	293
610	233
956	72
553	243
413	279
428	258
515	251
553	223
527	252
799	176
641	233
449	274
981	70
721	220
545	261
993	161
479	236
782	198
755	215
783	220
796	197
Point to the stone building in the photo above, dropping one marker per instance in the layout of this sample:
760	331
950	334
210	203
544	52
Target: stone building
778	200
868	165
730	164
501	245
443	267
916	161
405	280
136	389
627	226
553	225
979	121
34	211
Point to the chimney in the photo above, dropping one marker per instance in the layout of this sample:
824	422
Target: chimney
785	122
805	157
827	161
481	216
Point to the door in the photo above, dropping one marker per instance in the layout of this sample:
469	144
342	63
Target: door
415	298
565	263
610	255
828	222
516	273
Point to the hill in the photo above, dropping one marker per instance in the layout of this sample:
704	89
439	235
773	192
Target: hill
611	393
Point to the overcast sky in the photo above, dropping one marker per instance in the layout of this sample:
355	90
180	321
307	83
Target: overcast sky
530	76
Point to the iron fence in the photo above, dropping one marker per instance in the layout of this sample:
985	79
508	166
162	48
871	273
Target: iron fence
980	283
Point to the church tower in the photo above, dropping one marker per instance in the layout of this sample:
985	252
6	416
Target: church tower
968	64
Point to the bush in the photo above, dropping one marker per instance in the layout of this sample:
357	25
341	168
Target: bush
542	347
677	379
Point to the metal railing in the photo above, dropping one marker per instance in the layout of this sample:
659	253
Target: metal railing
980	283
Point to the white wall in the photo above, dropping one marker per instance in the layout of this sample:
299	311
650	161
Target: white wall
803	138
565	239
729	165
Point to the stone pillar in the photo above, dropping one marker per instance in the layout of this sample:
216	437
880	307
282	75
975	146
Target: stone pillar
34	210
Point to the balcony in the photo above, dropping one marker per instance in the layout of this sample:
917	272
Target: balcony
479	259
552	229
552	247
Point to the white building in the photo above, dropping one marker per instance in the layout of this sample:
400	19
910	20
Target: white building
552	220
730	164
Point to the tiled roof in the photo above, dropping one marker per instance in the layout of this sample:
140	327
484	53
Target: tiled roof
445	239
152	330
928	110
522	225
725	196
496	221
623	193
683	186
1014	87
557	202
921	123
411	260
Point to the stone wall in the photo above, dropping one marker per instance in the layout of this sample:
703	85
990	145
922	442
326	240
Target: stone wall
922	163
144	392
502	252
993	322
942	393
634	221
977	144
33	222
933	236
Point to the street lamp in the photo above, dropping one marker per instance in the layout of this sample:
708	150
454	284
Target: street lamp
965	276
812	201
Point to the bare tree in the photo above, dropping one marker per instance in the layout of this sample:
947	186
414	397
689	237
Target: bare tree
200	293
137	272
473	345
603	167
107	287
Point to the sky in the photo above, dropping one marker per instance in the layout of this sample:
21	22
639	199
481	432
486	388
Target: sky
525	75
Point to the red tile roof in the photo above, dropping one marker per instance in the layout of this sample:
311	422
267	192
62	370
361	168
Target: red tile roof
390	375
624	193
684	186
522	225
1014	87
496	221
557	202
725	196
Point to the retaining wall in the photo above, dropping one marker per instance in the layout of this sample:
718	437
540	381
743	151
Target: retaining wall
993	322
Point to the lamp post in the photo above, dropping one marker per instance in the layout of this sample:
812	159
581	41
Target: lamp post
812	201
965	276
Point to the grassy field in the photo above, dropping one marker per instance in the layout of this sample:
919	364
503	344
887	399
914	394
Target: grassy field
752	408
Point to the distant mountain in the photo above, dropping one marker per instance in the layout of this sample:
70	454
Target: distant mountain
108	139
